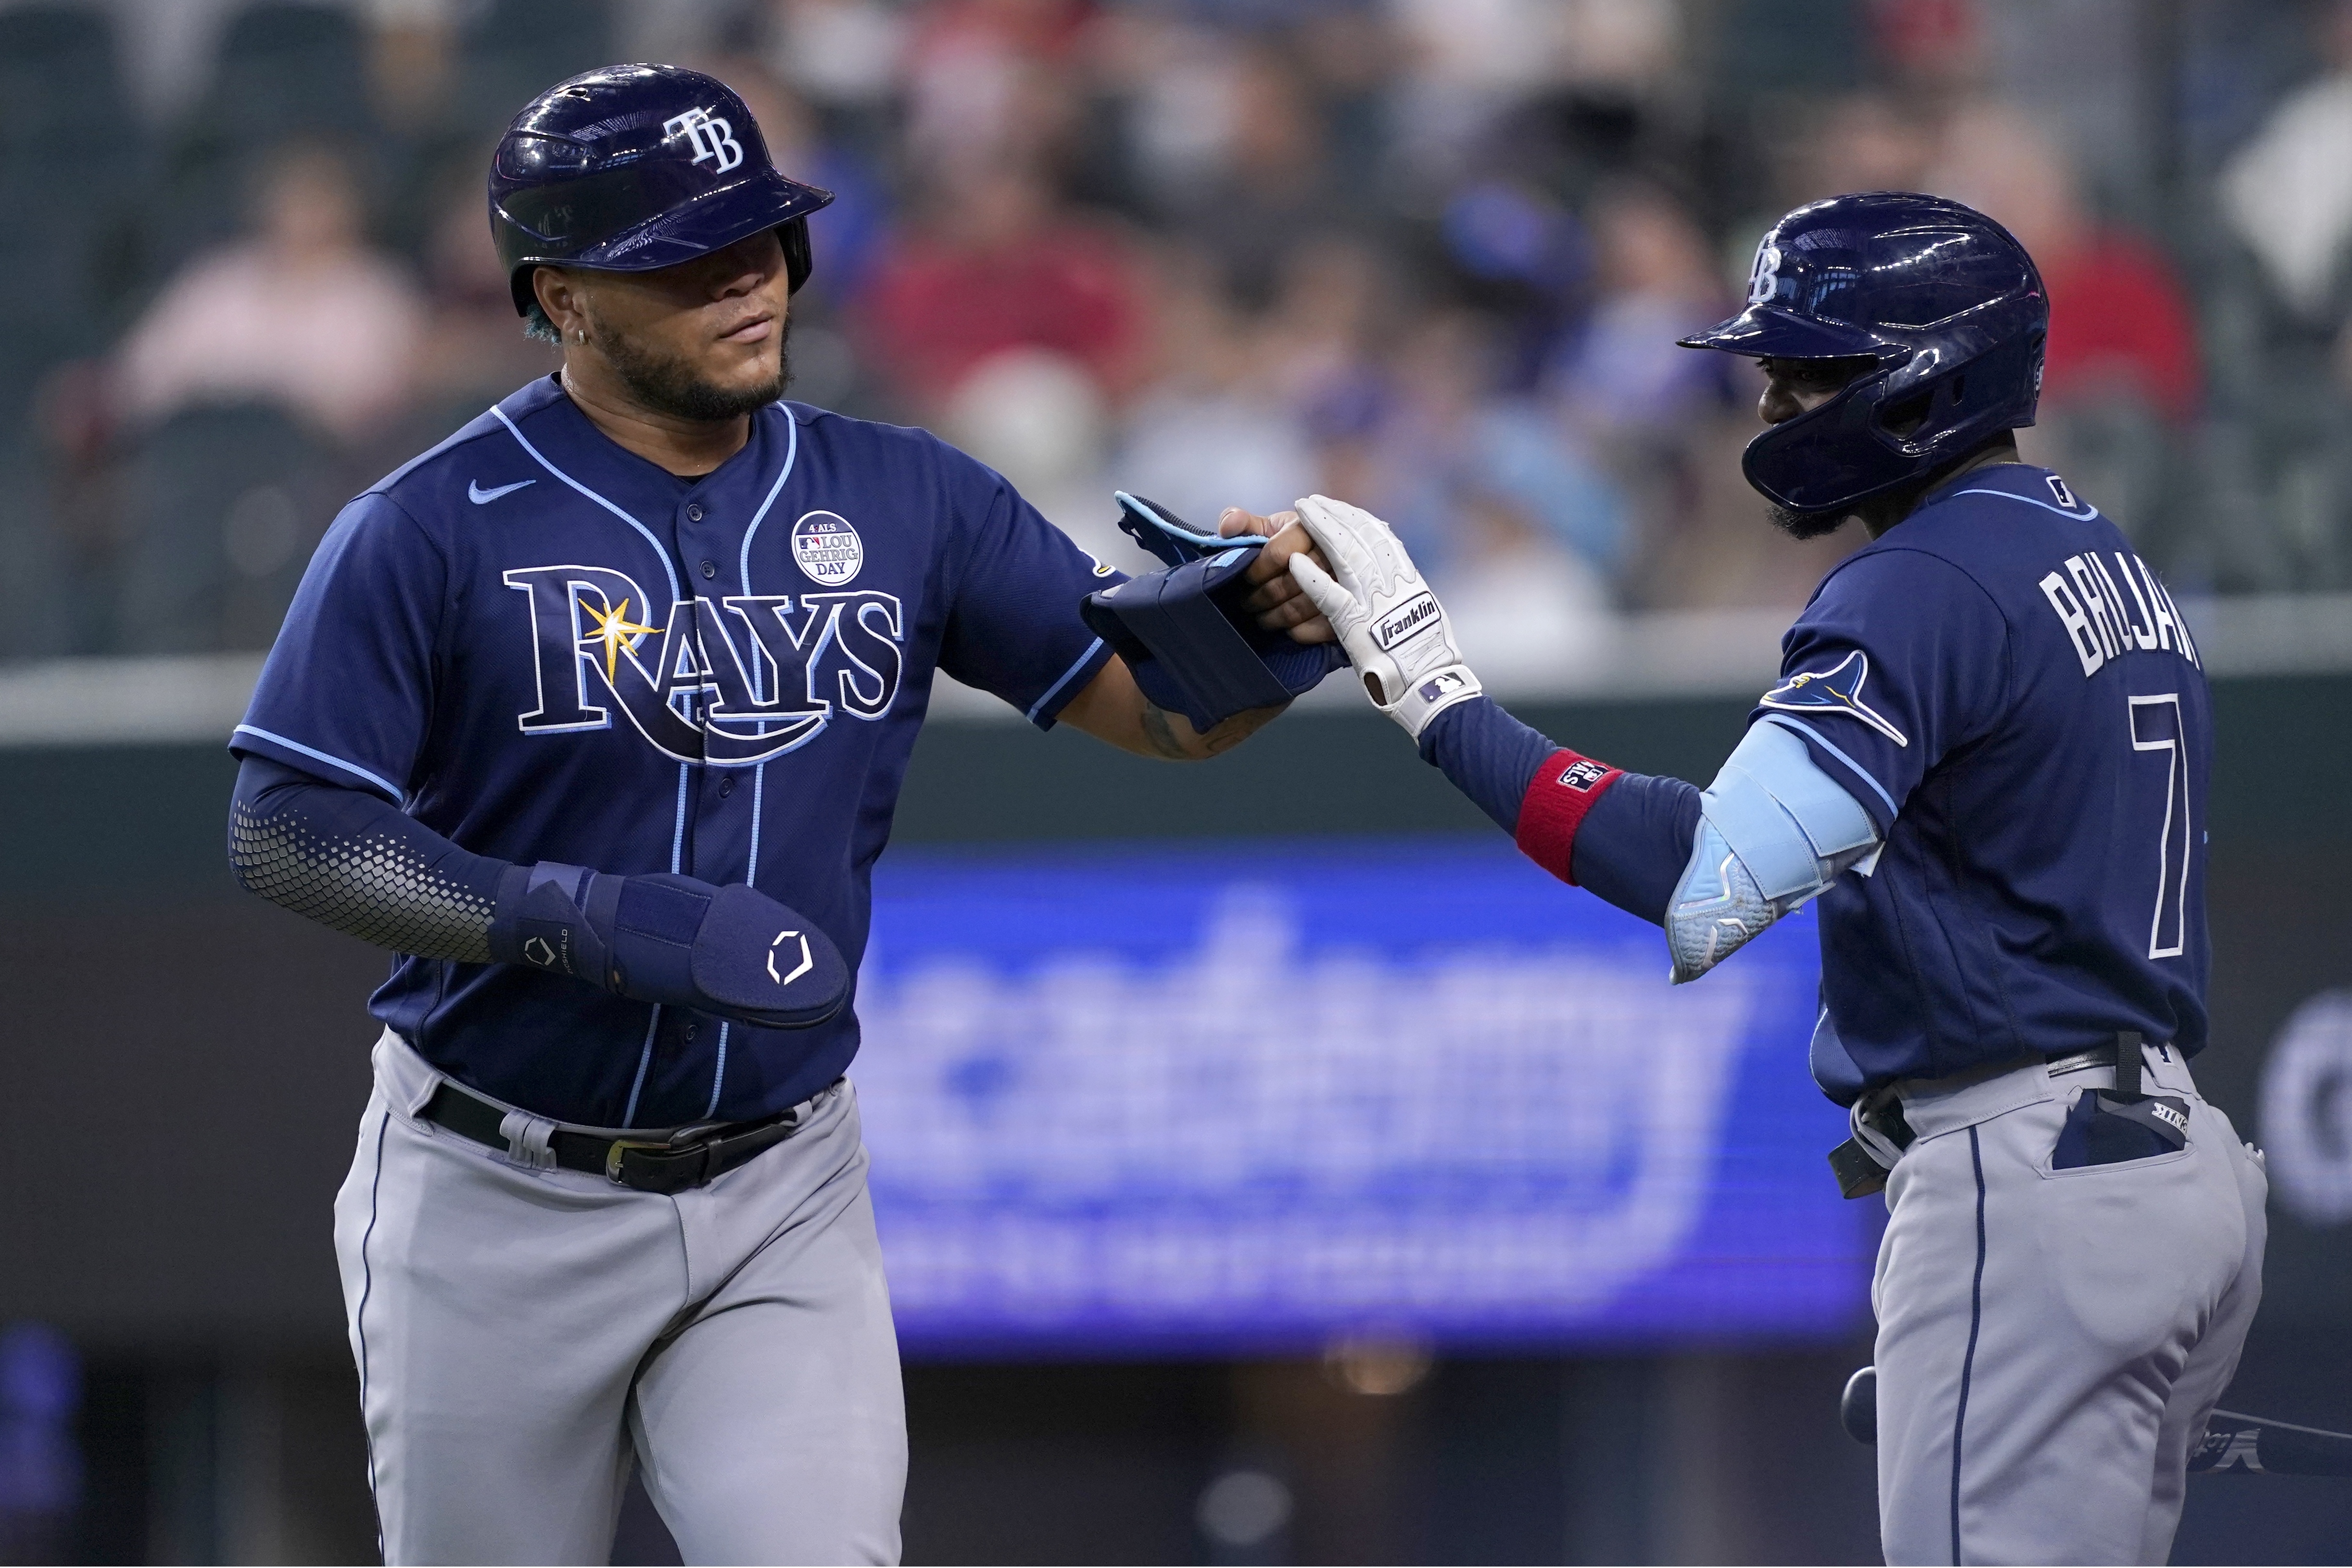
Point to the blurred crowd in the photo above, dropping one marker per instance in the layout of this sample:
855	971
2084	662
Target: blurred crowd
1430	256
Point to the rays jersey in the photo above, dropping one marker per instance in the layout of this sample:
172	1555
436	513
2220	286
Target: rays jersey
2013	697
545	647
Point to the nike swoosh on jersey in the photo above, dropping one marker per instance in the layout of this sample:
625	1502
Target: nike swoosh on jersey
480	497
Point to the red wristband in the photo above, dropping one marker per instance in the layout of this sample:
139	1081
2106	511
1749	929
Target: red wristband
1562	791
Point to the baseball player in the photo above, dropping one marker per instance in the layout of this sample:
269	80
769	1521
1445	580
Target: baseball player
597	714
1986	758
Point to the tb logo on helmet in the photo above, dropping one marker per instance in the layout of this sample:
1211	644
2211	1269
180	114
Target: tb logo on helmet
1764	277
712	137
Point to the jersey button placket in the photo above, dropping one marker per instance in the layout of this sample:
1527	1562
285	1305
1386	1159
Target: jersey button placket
694	511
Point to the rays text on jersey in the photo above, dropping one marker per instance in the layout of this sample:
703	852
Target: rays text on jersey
731	682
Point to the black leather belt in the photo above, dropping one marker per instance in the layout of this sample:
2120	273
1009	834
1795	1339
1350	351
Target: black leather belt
690	1157
2107	1056
1857	1170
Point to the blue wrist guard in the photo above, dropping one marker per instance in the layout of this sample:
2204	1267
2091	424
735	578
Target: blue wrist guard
732	951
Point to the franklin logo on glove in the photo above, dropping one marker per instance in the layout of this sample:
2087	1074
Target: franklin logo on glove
1392	626
1413	618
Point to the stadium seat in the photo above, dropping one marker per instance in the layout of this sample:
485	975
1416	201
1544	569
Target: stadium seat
291	70
58	85
221	509
518	47
286	75
32	562
73	153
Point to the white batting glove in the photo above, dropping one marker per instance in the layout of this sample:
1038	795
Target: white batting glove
1395	633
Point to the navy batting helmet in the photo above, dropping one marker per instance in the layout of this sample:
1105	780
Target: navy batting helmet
629	168
1945	301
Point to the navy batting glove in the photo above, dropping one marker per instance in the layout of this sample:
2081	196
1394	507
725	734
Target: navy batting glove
732	951
1192	648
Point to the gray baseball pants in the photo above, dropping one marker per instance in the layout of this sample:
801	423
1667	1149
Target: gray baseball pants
525	1335
2051	1342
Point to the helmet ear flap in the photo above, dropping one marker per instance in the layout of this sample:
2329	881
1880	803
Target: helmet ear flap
799	260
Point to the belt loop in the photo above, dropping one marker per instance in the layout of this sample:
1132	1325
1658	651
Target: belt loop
530	1140
2128	1063
429	1087
1862	1118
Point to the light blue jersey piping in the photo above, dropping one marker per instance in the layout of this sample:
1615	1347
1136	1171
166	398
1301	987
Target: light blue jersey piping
1068	675
668	571
380	782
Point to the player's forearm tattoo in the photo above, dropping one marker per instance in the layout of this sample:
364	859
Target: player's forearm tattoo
1163	736
1233	731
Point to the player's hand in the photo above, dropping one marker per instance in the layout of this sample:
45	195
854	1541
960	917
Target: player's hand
1394	630
1276	600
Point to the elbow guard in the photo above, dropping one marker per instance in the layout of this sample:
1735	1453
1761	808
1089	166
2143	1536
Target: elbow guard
1774	831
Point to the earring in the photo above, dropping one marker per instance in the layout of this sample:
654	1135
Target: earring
579	335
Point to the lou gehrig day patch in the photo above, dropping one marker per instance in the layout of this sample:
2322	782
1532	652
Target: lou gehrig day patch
827	548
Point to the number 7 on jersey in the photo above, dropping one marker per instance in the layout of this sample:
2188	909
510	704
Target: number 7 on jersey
2156	726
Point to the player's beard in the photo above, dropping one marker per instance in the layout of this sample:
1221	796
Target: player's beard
1805	524
668	384
1876	514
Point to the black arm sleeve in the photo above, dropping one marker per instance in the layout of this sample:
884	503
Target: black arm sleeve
352	860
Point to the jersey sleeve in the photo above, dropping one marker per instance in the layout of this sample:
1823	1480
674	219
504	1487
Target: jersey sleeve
347	690
1623	837
1900	659
1013	625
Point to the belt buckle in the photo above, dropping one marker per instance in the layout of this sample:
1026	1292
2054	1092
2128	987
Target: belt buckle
620	1147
